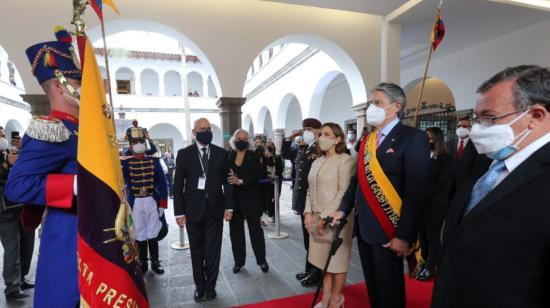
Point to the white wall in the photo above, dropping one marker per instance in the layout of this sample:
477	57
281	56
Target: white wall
307	83
464	71
337	102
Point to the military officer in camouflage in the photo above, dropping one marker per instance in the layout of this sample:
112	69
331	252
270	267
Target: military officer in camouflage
147	194
303	157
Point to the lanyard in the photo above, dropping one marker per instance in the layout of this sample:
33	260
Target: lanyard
200	159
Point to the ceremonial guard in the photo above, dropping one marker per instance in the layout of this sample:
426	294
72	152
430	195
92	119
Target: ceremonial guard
44	176
147	195
303	157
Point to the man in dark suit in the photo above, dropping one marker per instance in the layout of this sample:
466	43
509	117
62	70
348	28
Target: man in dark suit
464	154
201	202
496	239
403	154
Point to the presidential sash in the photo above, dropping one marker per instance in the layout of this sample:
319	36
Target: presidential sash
381	196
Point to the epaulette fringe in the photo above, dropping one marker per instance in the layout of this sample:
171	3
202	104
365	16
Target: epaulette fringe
48	129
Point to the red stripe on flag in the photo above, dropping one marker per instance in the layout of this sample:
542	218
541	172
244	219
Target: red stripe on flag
372	202
103	284
97	5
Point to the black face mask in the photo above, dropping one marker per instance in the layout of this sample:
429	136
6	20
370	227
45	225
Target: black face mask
241	145
204	137
432	146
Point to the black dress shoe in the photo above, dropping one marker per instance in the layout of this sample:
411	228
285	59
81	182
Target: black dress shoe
199	296
25	285
264	267
210	295
16	295
312	280
236	269
156	267
302	275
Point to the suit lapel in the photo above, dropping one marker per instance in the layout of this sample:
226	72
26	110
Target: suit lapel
523	174
389	140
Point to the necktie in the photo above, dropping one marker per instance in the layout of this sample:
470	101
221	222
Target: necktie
204	160
379	139
460	150
485	184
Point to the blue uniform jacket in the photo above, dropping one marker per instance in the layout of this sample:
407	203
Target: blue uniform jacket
144	172
43	176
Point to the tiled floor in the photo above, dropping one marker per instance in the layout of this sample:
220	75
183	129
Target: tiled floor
286	257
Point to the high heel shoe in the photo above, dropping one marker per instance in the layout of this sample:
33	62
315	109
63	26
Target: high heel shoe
321	304
341	303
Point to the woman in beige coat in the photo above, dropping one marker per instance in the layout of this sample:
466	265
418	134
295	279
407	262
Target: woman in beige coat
328	179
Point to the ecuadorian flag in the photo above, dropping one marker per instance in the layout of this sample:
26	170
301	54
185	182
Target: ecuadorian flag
109	274
97	5
438	31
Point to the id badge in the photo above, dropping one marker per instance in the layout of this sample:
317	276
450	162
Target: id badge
202	183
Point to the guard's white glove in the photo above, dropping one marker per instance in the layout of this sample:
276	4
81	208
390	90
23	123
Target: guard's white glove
75	186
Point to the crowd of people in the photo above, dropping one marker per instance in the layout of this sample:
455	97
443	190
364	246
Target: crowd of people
471	213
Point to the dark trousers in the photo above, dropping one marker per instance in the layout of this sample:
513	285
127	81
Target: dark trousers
170	183
9	236
429	236
238	242
384	275
309	266
270	198
205	239
26	249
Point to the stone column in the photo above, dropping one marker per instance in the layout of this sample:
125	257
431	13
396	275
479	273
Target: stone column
137	83
230	113
40	105
391	52
279	136
360	110
204	86
162	86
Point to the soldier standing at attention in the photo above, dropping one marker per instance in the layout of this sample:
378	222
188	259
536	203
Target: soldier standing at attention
303	157
45	173
147	195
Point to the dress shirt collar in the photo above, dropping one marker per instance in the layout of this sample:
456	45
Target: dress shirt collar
387	129
519	157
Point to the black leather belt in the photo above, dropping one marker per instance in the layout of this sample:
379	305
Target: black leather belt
144	192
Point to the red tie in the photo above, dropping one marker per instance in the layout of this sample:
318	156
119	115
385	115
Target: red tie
460	150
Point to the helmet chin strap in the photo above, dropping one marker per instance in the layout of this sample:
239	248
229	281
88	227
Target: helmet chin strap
59	75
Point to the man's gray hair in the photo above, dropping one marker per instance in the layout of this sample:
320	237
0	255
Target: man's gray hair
394	93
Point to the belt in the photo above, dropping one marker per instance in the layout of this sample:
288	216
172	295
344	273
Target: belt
141	193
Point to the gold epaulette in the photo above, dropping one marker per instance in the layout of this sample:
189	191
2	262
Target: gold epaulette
48	129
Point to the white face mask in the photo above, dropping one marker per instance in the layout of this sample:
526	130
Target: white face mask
308	137
376	115
351	137
138	148
496	141
325	143
462	132
4	144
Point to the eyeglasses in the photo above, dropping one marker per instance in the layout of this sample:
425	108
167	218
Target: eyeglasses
490	120
376	103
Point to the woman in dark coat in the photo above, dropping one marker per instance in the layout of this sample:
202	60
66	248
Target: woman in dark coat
439	184
249	203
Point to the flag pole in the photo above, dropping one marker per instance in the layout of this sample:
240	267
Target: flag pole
417	108
106	58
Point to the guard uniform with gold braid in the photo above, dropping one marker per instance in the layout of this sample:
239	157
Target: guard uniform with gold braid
147	192
43	177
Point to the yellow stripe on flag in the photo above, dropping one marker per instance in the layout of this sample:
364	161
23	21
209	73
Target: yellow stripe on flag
385	185
112	5
97	146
